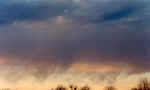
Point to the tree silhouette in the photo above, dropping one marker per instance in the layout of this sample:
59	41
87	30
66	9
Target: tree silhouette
61	88
110	88
143	85
73	87
86	88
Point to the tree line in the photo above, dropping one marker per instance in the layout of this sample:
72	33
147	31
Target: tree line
144	84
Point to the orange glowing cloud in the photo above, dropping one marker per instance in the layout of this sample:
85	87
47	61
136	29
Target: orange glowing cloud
7	61
99	67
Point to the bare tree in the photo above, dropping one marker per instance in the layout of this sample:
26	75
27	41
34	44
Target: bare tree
73	87
110	88
134	89
86	88
61	88
143	85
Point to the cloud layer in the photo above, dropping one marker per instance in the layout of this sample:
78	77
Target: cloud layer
48	34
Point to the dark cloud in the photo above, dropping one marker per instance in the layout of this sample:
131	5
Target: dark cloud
30	11
118	15
59	43
124	11
83	11
101	11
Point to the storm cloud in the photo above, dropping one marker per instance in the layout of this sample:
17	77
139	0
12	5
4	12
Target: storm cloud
47	34
30	10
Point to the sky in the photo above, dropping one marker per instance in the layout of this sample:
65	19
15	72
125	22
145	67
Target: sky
94	42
